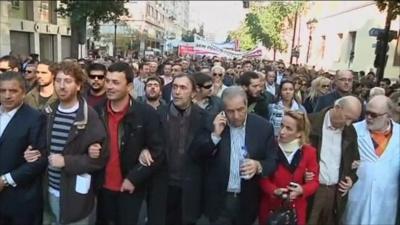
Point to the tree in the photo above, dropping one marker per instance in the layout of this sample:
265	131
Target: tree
267	24
94	12
243	36
393	10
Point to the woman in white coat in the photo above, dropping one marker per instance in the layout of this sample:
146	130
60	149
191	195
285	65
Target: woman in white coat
374	197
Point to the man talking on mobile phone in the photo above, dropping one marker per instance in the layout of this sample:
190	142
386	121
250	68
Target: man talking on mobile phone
244	151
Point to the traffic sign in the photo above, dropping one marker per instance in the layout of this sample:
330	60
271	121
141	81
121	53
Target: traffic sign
375	32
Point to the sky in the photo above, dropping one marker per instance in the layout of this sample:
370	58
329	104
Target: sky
219	17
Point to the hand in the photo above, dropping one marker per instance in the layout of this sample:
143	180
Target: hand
56	160
127	186
295	190
94	150
345	185
31	155
145	158
2	185
280	191
249	167
309	176
220	122
355	164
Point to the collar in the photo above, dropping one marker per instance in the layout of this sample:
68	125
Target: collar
111	111
177	112
328	123
9	113
241	127
386	132
82	113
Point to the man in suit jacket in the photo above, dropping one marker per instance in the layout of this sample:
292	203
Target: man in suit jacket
21	128
343	83
337	152
232	197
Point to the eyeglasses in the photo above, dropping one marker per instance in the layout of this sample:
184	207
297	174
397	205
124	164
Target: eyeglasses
373	115
28	71
99	77
4	70
206	86
344	80
217	74
325	86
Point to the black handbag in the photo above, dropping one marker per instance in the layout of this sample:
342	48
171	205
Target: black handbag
284	215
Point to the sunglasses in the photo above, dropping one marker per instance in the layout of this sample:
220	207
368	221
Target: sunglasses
99	77
206	86
28	71
217	74
4	70
373	115
324	86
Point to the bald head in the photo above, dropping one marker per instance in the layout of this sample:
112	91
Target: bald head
381	103
350	102
344	81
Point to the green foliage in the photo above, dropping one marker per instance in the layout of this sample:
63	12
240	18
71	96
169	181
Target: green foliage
267	24
242	34
95	12
393	6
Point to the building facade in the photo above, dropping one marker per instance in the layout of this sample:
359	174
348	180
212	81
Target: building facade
148	25
34	27
335	35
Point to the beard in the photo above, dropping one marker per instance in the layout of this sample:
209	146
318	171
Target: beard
153	98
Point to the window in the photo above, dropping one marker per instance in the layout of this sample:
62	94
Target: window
323	46
15	4
352	44
44	11
338	48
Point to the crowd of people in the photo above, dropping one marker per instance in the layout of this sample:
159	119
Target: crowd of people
208	140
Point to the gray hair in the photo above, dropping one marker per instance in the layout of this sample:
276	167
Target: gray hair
218	68
376	91
234	91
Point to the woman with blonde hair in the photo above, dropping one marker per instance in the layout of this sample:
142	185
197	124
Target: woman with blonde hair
319	87
295	158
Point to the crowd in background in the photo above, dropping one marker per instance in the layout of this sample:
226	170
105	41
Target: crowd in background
198	139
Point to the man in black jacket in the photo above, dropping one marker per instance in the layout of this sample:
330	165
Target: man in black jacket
242	142
343	83
132	126
21	128
186	129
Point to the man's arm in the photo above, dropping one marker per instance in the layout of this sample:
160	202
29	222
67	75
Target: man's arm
269	164
29	171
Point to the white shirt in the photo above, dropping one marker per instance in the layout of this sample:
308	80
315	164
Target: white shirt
5	118
270	88
331	153
237	136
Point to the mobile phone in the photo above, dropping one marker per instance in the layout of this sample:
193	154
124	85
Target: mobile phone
223	113
292	184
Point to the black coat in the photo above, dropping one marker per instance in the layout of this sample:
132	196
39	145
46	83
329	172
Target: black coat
27	127
197	140
261	146
139	129
327	100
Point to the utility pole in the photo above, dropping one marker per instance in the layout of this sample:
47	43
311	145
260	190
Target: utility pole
381	57
115	39
294	36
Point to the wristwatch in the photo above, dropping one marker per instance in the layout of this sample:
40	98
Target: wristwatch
4	179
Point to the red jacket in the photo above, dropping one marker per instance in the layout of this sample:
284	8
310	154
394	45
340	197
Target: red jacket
306	158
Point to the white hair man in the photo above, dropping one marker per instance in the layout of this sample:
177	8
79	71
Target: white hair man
374	198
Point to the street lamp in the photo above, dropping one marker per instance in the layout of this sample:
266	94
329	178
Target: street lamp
310	26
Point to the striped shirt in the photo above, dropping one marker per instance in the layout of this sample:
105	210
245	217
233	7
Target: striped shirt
62	124
237	143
